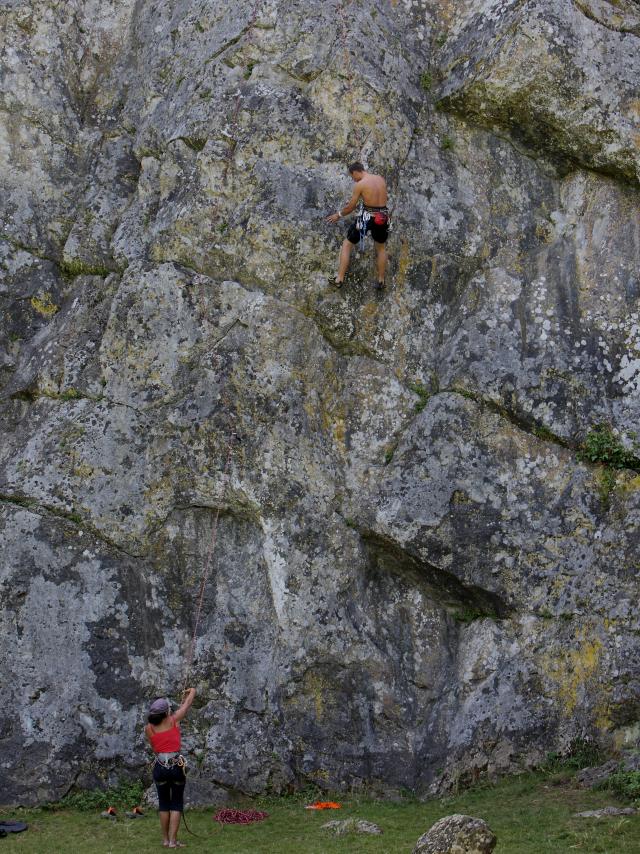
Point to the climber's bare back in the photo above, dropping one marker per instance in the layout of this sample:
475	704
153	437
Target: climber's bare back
372	189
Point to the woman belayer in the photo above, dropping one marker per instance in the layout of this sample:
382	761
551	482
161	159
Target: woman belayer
163	734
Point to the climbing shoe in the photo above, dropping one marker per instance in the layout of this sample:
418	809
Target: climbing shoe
136	812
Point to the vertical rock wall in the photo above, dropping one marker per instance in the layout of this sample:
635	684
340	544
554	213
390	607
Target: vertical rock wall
416	577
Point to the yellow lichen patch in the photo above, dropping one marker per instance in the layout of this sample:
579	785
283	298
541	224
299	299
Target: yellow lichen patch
632	484
602	716
340	432
315	687
44	305
558	584
333	420
626	737
544	232
370	314
83	470
319	774
332	410
574	669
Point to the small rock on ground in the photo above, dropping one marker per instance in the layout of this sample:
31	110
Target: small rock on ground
457	834
590	777
352	825
605	811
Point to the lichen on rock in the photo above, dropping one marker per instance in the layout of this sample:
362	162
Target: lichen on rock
457	834
418	578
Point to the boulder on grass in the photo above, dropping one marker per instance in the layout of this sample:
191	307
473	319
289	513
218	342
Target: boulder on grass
606	811
457	834
590	778
352	825
595	778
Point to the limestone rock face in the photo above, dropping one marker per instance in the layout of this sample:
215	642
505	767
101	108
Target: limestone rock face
417	579
457	834
544	70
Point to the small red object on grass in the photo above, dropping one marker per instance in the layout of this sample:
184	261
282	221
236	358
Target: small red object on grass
324	805
230	816
110	812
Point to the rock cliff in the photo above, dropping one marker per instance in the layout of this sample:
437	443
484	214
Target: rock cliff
419	576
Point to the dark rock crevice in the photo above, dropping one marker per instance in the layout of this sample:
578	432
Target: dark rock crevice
587	11
464	602
39	508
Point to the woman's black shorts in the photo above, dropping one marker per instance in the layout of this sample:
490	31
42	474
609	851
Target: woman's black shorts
170	785
378	232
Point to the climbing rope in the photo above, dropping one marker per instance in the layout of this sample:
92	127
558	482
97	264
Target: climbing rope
208	564
234	129
203	585
351	74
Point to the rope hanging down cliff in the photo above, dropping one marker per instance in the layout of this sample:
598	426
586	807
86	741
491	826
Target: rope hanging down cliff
208	562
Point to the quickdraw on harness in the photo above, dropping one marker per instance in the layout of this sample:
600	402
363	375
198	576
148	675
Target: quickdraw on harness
362	221
380	218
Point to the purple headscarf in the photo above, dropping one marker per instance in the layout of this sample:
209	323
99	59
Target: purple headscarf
159	706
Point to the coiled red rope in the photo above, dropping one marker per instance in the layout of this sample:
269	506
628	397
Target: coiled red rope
230	816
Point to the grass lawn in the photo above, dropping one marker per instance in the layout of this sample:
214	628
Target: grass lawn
530	814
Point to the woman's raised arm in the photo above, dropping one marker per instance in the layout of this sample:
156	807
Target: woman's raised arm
189	695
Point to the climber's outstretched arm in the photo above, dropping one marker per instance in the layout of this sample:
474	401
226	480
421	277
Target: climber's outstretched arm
350	206
189	695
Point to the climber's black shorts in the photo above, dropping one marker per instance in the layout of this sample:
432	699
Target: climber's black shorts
378	232
170	785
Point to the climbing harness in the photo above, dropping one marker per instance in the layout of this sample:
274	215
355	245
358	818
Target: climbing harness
170	760
380	217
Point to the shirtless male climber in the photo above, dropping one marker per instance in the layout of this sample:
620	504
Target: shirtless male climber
372	189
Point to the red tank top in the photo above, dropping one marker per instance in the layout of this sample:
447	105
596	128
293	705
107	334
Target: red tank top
167	741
